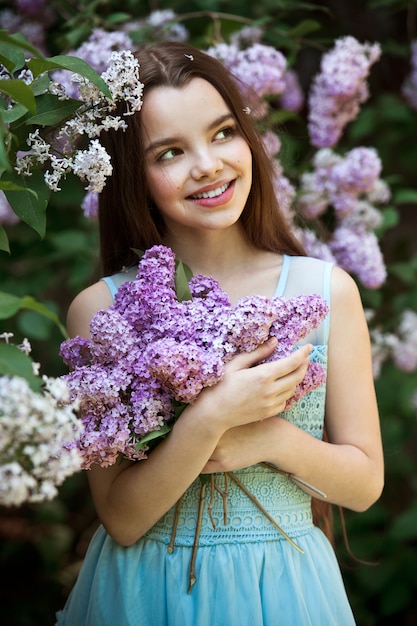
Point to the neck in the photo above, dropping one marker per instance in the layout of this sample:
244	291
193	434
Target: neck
213	253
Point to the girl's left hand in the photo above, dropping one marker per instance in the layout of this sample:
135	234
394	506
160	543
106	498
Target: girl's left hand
239	447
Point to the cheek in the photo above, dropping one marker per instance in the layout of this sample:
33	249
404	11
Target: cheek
160	186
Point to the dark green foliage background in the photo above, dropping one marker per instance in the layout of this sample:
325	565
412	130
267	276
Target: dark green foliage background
41	546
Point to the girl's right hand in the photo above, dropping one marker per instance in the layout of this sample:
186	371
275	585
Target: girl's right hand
251	391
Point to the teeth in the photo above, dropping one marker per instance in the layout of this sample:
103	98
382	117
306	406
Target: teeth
211	194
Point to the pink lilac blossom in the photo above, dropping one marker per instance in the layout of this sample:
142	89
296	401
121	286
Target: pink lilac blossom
150	352
409	87
339	89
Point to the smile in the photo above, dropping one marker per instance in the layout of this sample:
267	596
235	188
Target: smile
211	194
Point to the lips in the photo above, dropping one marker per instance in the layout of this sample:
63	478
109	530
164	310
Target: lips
213	193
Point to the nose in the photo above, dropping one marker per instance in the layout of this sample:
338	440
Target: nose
206	163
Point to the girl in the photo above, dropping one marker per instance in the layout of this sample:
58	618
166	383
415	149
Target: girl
190	172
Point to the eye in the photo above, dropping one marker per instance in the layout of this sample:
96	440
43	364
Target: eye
169	154
228	132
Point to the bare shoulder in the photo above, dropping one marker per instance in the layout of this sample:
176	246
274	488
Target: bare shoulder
343	286
85	305
347	311
344	290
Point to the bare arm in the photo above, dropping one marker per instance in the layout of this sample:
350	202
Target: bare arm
131	497
349	469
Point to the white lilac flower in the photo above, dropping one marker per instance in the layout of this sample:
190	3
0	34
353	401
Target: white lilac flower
404	352
93	165
96	51
35	430
382	345
93	117
164	26
339	89
137	364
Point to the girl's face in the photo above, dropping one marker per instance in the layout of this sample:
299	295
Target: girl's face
198	166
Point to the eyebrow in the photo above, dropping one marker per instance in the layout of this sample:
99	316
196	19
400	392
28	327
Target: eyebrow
166	141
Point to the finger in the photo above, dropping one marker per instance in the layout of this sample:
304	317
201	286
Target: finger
248	359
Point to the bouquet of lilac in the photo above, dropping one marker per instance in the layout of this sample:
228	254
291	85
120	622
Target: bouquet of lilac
161	342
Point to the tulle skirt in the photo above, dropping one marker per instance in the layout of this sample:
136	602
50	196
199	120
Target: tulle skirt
247	573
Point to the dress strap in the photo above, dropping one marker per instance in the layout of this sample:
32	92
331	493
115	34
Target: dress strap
116	280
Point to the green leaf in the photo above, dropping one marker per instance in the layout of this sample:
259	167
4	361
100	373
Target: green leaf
14	113
4	157
71	63
304	28
16	40
182	276
9	186
29	207
12	58
20	92
13	362
11	304
406	196
161	432
50	110
4	240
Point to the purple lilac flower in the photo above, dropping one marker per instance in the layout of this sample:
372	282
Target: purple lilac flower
7	215
149	350
339	89
315	247
30	7
292	98
259	70
339	181
358	252
409	88
89	205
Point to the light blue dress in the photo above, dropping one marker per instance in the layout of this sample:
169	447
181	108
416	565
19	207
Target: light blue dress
247	573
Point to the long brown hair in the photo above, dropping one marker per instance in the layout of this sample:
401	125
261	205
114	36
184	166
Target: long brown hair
127	215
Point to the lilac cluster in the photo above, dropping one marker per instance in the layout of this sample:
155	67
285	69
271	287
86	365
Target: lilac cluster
150	353
409	88
339	89
351	186
259	70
